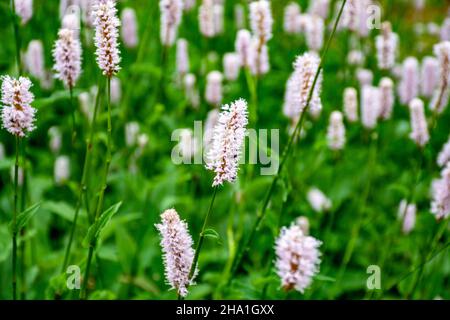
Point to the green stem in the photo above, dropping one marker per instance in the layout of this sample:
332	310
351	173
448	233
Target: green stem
389	238
17	37
18	42
202	235
361	210
434	243
23	200
14	222
83	294
287	150
108	152
252	84
72	108
83	186
422	265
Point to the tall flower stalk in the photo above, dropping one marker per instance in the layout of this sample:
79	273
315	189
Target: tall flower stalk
18	39
85	170
108	59
261	23
67	56
223	157
18	118
244	247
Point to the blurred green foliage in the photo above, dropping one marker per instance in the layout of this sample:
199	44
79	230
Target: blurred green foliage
128	260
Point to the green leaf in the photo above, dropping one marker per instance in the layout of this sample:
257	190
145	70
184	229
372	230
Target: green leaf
97	227
211	233
24	217
324	278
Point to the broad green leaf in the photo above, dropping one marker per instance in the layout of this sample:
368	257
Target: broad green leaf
24	217
96	228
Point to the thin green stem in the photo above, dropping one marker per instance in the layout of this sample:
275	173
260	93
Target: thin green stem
108	151
23	200
85	170
361	213
287	150
202	235
17	36
422	265
411	198
434	243
18	43
252	84
72	109
83	293
14	222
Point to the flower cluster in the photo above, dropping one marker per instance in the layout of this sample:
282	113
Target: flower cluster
171	13
18	115
429	76
261	20
176	244
386	44
67	56
298	258
440	205
351	104
409	86
407	214
229	134
370	106
336	131
129	28
318	200
213	92
24	9
441	96
106	36
387	98
418	123
300	85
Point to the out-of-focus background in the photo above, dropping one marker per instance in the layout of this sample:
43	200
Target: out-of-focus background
128	262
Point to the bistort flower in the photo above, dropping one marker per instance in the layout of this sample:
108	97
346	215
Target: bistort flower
298	258
171	14
336	131
419	124
178	254
106	36
228	139
129	28
67	56
440	205
18	115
